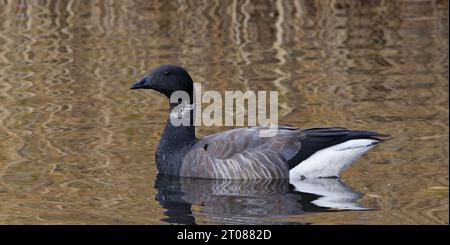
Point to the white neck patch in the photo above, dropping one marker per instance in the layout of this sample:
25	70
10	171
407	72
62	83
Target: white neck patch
180	111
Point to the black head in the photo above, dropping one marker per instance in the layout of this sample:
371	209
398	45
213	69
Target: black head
166	79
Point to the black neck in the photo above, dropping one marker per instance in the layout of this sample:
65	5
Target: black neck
174	144
177	136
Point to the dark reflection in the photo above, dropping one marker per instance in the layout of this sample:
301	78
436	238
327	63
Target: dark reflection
249	201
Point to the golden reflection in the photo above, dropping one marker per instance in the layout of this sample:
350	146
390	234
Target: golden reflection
76	147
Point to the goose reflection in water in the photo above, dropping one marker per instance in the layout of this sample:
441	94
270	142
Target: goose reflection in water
250	201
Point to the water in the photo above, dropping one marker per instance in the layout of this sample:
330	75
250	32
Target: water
77	147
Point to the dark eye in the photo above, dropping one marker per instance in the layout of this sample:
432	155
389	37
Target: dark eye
166	73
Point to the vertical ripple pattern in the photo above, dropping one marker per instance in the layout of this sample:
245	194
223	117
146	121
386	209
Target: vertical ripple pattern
77	147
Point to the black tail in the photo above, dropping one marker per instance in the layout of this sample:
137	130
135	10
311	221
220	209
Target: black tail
320	138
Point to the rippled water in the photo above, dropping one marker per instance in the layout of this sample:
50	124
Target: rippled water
77	147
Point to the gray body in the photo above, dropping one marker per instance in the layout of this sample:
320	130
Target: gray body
240	153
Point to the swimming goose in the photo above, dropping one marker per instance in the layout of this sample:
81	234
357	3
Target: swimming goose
241	153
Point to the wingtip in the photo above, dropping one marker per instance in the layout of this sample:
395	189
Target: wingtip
382	138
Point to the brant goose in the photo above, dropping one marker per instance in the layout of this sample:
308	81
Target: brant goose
241	153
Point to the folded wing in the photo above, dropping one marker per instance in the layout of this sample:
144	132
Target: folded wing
243	154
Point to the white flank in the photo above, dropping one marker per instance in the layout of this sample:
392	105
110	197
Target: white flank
329	162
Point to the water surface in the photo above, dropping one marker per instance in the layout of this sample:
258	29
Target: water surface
77	147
